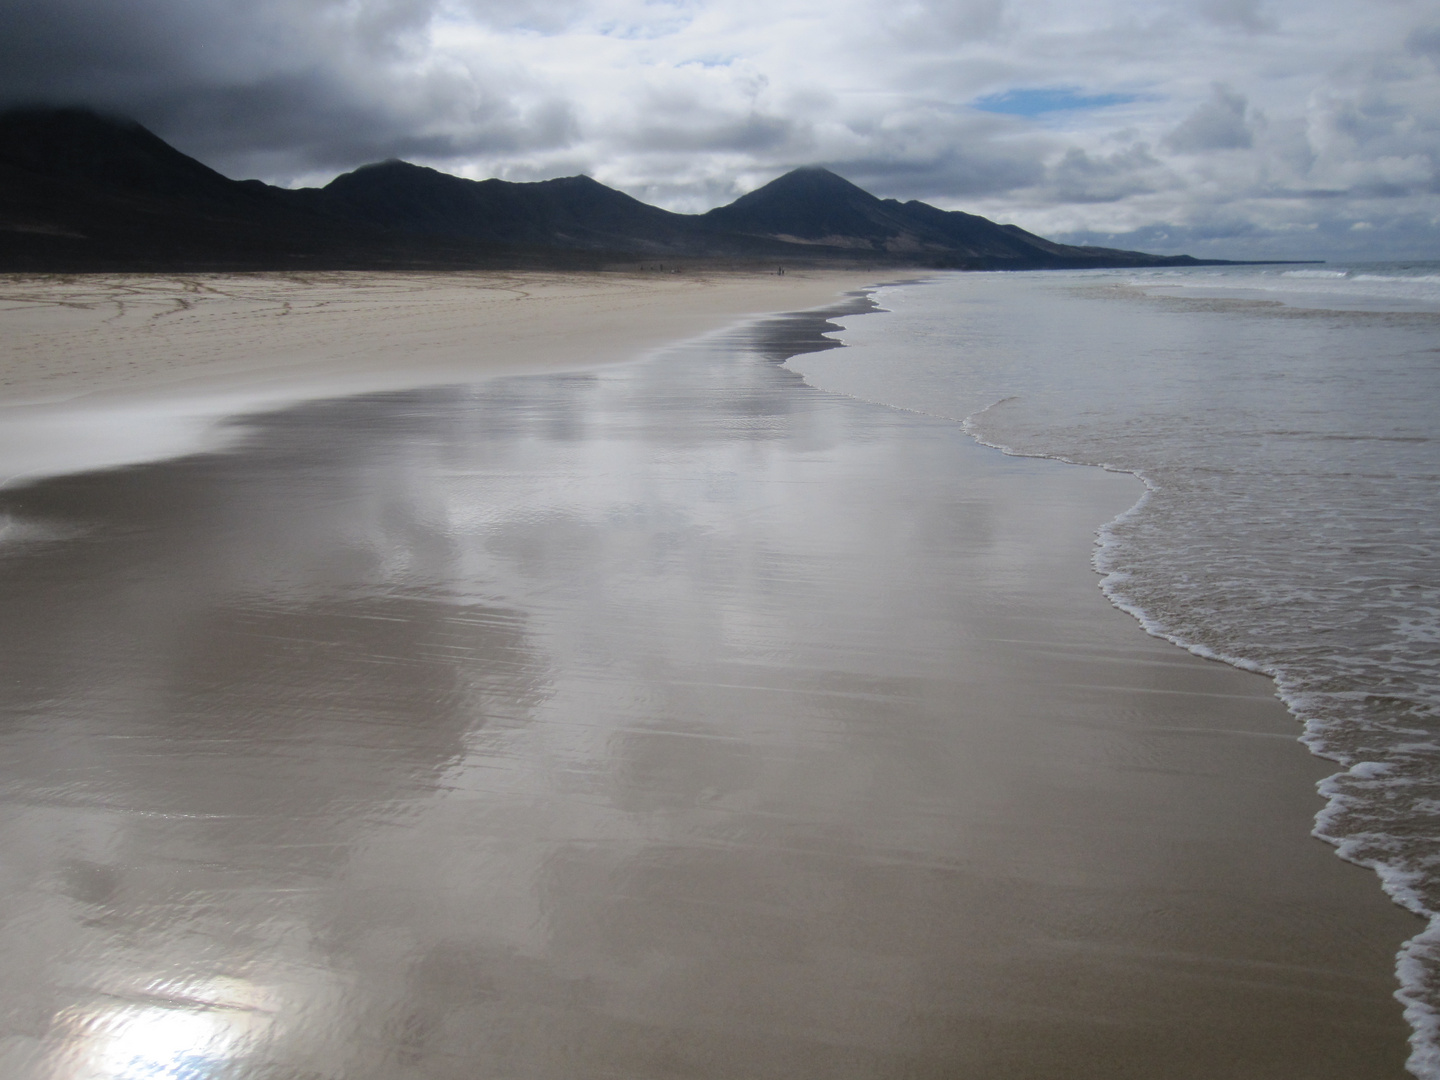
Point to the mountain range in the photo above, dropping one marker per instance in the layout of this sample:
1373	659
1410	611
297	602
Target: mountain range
80	191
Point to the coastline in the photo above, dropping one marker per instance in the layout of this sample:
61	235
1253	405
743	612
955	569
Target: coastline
900	793
111	369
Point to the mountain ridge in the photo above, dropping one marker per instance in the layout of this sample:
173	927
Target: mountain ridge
82	190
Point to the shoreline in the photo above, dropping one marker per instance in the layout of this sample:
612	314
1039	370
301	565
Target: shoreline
1335	790
880	784
103	370
1397	886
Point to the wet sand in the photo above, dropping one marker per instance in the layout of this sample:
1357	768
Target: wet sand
106	369
669	719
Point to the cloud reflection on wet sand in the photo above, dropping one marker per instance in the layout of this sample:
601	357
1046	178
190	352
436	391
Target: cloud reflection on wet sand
674	719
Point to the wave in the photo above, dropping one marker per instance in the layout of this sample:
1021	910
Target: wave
1349	821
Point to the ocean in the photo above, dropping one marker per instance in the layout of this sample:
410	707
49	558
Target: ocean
1286	424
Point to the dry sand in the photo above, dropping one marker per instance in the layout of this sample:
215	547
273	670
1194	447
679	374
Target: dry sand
104	369
664	720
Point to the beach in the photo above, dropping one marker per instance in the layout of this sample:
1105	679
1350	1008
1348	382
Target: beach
428	676
103	369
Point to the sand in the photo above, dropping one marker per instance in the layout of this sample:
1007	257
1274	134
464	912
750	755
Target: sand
103	369
665	719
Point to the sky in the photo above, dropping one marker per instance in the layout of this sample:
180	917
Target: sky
1223	128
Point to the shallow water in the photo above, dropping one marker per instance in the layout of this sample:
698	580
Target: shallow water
675	719
1286	422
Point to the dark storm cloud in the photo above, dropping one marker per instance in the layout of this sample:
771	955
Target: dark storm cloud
1105	116
302	85
219	79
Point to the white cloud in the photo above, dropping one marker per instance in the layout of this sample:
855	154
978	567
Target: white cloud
1256	120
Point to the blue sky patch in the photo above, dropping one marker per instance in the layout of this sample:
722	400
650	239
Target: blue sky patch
1036	102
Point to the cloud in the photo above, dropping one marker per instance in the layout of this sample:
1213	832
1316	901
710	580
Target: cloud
1238	235
314	81
1103	117
1080	178
1218	124
1244	14
1424	41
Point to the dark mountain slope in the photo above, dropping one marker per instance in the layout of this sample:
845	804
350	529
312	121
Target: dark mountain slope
571	211
82	191
814	206
83	147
